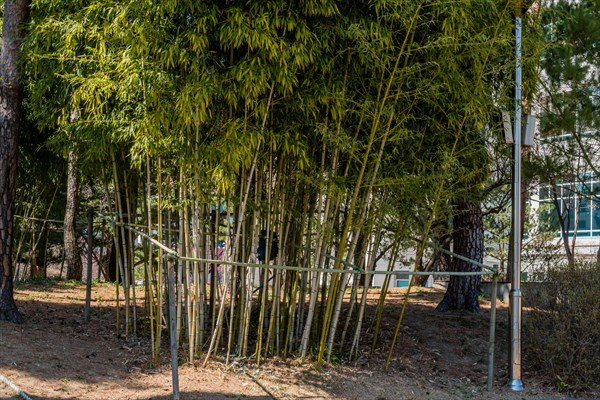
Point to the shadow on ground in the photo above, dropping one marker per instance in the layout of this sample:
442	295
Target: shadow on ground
55	355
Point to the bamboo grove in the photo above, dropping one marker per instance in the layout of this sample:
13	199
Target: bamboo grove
316	134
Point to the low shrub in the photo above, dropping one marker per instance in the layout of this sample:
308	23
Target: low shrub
561	333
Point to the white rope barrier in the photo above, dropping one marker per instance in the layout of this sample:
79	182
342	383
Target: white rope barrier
14	387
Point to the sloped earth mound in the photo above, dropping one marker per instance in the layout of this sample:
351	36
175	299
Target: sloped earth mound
54	355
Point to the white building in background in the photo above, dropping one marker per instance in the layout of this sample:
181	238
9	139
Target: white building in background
574	197
579	205
402	268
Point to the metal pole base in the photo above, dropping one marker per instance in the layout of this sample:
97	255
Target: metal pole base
516	385
514	368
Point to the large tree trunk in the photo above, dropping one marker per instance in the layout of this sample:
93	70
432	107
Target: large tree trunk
15	14
72	256
463	291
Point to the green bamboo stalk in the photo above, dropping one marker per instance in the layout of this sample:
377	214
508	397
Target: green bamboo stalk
131	261
193	284
232	301
118	308
200	275
122	264
381	101
261	318
187	287
263	279
429	223
231	314
280	259
213	266
351	308
384	290
269	241
340	296
363	303
180	251
370	265
219	324
314	289
289	337
198	317
241	230
159	272
251	271
101	255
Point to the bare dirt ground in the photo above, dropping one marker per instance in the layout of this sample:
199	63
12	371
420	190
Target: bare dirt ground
54	355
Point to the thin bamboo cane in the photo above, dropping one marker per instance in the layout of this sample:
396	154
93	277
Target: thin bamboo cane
219	323
268	245
181	251
148	293
101	255
241	227
289	337
384	290
159	271
131	254
199	275
187	288
145	261
213	266
122	261
316	276
281	256
149	265
231	315
363	302
35	240
116	240
198	317
351	308
192	279
173	330
261	317
232	304
340	297
290	284
251	273
302	260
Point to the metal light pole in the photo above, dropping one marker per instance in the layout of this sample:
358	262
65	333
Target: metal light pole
515	382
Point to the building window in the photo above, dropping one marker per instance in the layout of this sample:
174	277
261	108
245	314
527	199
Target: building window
578	203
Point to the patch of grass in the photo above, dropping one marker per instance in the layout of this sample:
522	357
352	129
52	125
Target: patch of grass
43	281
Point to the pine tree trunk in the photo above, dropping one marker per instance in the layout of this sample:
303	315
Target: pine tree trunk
463	291
15	14
72	257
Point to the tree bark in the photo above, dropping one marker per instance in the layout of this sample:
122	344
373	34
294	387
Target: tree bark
15	14
463	291
72	256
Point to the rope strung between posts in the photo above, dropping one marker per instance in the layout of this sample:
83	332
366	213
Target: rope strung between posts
491	270
170	253
14	387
